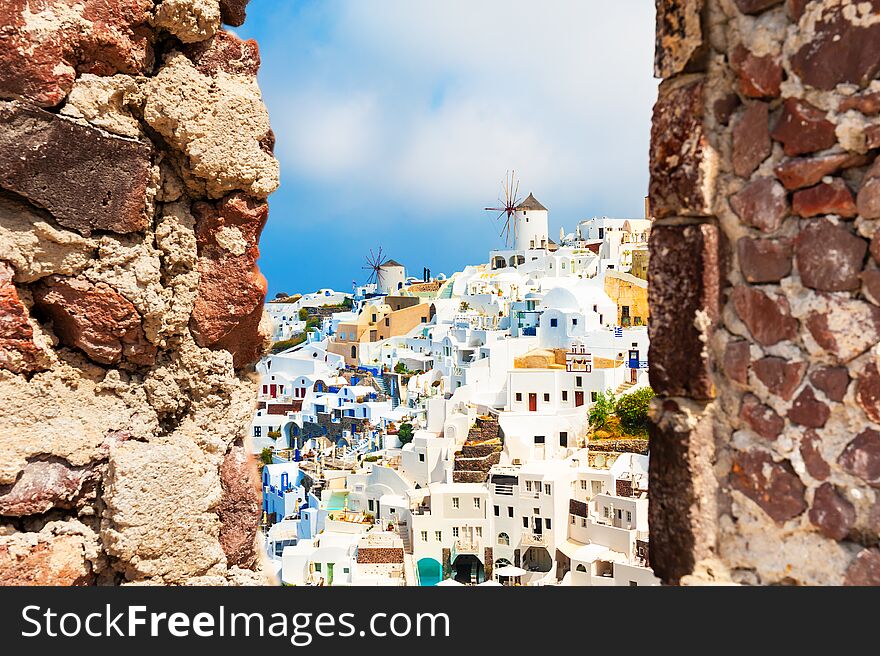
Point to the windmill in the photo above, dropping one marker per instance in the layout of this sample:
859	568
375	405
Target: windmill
508	200
374	266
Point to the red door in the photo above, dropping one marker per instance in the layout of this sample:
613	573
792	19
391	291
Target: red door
533	402
273	391
578	399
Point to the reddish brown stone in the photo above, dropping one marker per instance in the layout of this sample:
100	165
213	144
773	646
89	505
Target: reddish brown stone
736	361
57	560
681	515
94	318
679	147
757	77
867	102
833	381
855	329
18	352
803	128
764	260
809	411
768	319
762	204
225	52
780	376
872	136
724	107
761	418
233	12
86	178
868	391
774	486
231	290
841	51
679	36
808	171
751	139
832	514
864	569
684	279
795	8
813	460
240	506
861	457
868	200
44	485
825	198
871	285
755	6
874	247
829	257
41	53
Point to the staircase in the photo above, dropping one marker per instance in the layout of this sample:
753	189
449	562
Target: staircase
446	290
624	388
479	453
403	532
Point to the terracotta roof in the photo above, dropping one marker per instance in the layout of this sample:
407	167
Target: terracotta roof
531	203
379	555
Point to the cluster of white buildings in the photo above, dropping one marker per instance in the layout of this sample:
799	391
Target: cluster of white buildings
434	431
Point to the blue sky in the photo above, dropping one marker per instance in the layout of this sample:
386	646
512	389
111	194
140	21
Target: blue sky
396	121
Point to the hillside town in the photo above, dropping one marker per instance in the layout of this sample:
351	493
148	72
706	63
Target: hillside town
470	429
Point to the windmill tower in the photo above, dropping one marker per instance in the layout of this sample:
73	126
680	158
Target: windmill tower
524	222
531	225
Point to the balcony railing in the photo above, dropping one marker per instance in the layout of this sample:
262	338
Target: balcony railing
533	539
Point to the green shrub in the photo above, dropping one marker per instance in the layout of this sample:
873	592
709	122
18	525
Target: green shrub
303	314
602	409
405	434
372	458
400	368
285	344
632	409
266	456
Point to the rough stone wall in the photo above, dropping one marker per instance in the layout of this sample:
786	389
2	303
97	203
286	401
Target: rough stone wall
135	162
765	444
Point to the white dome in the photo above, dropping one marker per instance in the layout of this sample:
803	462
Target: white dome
561	299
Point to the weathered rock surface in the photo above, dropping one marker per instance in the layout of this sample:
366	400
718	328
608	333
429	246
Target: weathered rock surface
231	289
683	164
45	44
112	414
94	318
774	486
762	204
87	179
240	507
44	485
59	555
222	148
829	257
19	353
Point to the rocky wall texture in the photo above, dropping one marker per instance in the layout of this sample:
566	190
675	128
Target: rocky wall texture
765	292
135	162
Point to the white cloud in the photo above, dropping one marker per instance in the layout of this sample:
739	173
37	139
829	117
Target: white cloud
326	136
434	101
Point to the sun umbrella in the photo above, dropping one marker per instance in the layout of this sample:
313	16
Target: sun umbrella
510	570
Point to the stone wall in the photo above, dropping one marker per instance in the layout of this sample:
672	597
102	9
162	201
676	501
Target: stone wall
135	162
765	443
